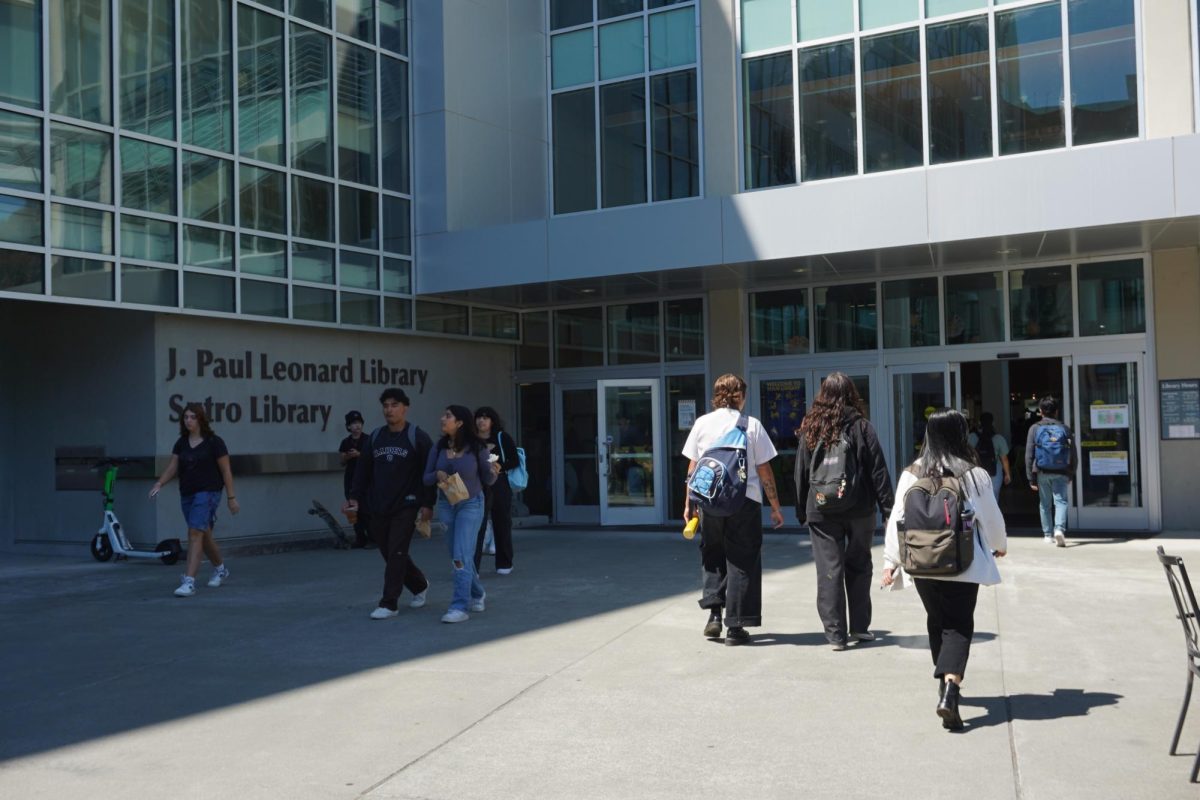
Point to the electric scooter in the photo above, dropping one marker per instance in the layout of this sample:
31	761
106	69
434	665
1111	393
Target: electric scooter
111	538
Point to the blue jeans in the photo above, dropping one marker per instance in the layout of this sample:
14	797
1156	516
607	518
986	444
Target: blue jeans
1052	489
462	528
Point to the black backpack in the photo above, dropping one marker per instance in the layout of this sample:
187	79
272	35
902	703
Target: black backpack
833	476
717	485
986	448
937	533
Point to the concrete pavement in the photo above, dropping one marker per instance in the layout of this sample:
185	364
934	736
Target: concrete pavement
587	677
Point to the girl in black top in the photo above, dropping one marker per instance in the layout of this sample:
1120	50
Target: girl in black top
497	497
202	462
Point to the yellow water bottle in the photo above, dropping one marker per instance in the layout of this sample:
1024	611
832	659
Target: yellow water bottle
689	530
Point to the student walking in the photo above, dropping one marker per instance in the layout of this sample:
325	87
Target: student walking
841	479
949	599
731	546
389	483
497	498
201	460
1050	460
460	466
349	451
992	449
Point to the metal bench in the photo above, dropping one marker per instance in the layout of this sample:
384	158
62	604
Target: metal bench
1188	611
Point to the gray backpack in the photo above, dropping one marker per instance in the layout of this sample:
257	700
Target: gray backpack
937	534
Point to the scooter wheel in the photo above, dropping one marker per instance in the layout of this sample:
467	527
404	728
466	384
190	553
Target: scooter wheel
101	549
170	550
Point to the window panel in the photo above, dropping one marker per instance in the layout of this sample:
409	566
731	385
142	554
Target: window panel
567	13
766	24
960	93
534	351
260	85
675	135
828	109
84	229
20	220
878	13
936	8
397	276
263	199
975	308
1104	87
623	143
149	286
314	305
263	256
147	239
206	47
81	277
208	292
393	26
396	236
147	59
1029	79
359	224
779	322
312	263
633	334
825	18
574	151
434	317
147	176
770	122
312	208
397	313
845	317
683	324
207	247
356	18
208	188
21	54
910	313
579	337
315	11
572	58
1112	298
1040	302
358	270
495	324
356	114
615	8
622	49
312	100
81	59
892	135
673	38
20	151
21	272
264	299
80	163
394	123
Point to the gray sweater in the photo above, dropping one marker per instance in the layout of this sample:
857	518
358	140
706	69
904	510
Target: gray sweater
1031	469
473	467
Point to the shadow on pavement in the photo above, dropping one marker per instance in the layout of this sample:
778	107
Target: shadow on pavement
1036	707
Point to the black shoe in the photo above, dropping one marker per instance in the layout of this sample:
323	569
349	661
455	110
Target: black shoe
947	708
736	636
713	629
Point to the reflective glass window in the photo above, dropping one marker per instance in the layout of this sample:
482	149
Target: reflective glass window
208	292
21	55
397	313
960	94
766	24
878	13
615	8
81	277
147	176
572	58
315	11
312	100
149	286
828	112
393	26
312	208
314	305
623	143
937	8
261	255
891	98
579	337
80	163
21	272
397	275
81	59
396	236
1112	298
147	41
1104	79
436	317
260	85
845	317
534	351
825	18
312	263
264	299
206	60
633	334
207	188
770	123
574	151
779	322
495	324
84	229
263	199
910	313
356	18
393	123
1040	301
683	328
975	308
673	38
1029	79
622	49
356	114
147	239
675	135
566	13
20	220
207	247
20	152
358	270
359	223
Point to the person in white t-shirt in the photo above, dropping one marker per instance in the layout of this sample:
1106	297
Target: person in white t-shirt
731	547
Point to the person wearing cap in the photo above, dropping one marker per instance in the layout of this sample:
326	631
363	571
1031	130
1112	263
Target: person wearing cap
349	451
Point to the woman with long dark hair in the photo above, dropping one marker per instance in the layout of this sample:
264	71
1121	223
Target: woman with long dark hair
201	460
841	479
497	503
950	600
460	452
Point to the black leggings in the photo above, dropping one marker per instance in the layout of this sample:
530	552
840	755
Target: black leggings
497	507
950	620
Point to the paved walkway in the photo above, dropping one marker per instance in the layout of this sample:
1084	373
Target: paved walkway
587	677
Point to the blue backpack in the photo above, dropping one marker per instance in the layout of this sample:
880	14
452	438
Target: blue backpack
1052	448
518	477
717	485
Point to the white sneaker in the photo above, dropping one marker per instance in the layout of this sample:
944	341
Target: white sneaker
1060	539
383	613
1048	539
187	587
505	571
454	615
478	605
489	551
219	574
418	599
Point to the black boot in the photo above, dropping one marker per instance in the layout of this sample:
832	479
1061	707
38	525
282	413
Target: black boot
947	708
713	629
736	636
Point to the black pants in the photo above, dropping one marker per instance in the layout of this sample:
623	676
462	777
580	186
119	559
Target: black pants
394	533
950	619
498	508
731	554
842	552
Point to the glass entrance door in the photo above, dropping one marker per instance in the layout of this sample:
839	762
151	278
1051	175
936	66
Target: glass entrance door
576	491
630	465
1110	486
916	391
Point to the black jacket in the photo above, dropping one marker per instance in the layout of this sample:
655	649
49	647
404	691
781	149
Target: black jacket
874	484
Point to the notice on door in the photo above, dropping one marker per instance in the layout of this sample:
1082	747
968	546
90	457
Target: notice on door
1111	415
1179	408
1110	462
687	414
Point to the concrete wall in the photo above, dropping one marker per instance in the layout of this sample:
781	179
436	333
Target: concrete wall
726	333
1177	353
1167	61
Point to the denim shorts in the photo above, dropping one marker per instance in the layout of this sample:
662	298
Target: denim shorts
200	509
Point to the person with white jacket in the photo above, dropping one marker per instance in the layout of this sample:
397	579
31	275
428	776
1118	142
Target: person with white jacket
950	600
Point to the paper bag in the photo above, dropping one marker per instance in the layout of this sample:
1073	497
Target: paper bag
454	489
424	529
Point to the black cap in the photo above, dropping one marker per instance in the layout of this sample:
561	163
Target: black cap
353	416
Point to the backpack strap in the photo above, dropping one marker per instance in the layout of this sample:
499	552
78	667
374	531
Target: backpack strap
411	433
743	423
375	436
500	444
